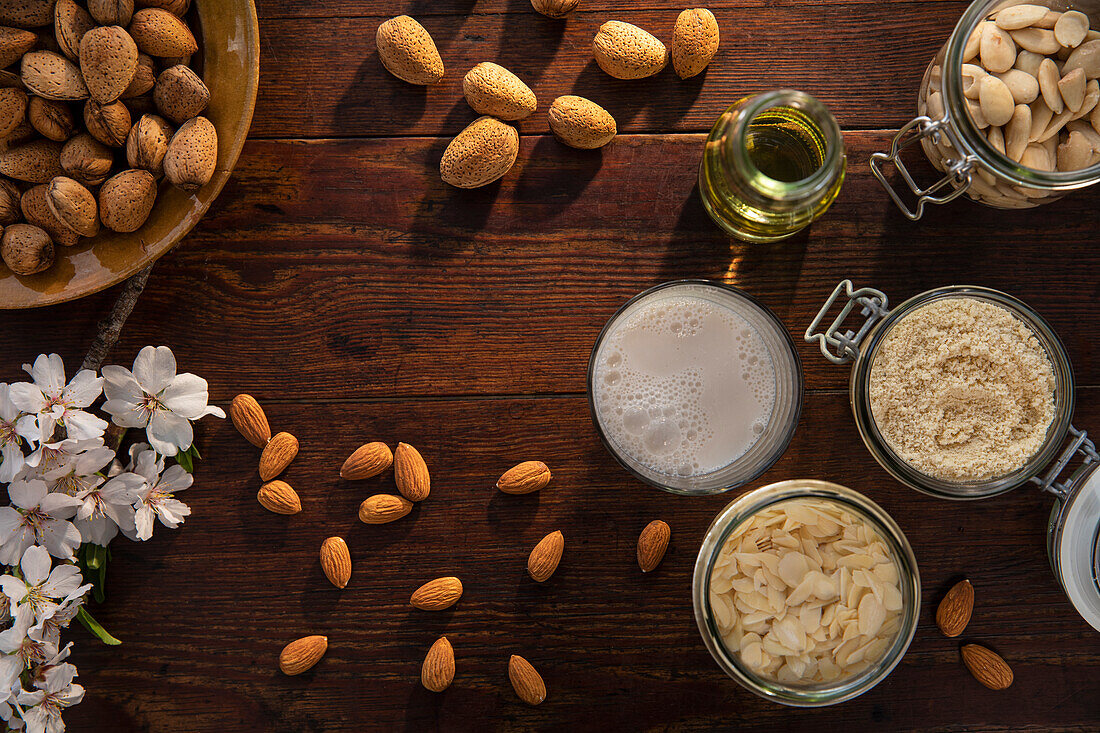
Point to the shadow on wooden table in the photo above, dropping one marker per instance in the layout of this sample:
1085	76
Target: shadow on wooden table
625	99
376	89
534	58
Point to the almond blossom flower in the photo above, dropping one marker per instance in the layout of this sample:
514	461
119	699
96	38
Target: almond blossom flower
158	499
55	692
80	472
11	450
154	397
18	651
41	589
37	518
108	508
53	459
48	631
54	401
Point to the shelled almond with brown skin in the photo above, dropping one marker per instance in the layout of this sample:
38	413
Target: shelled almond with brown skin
302	654
26	249
70	23
694	42
987	666
39	161
544	558
480	154
526	680
277	455
652	545
437	595
953	613
127	199
180	94
52	76
626	51
438	671
250	420
37	212
52	119
73	205
524	478
408	52
87	159
14	42
108	59
383	508
493	90
159	33
410	473
279	497
192	155
367	461
581	123
13	110
336	561
555	8
111	12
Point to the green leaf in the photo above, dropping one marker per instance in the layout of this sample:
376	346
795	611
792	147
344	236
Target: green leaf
194	451
93	626
184	459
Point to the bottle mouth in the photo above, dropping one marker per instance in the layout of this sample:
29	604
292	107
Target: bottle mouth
972	139
737	144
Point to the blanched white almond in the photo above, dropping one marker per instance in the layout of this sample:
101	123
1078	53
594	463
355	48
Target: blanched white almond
1075	153
996	139
997	50
1056	124
1020	16
1036	40
1092	98
1048	85
973	43
1024	86
996	100
1036	156
1087	57
1028	62
971	76
1018	132
1072	88
974	108
1041	115
1071	28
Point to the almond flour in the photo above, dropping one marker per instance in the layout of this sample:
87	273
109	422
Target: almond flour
962	390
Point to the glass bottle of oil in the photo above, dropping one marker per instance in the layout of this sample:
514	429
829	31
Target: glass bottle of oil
773	163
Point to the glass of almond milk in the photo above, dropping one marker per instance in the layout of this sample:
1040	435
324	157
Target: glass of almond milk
695	387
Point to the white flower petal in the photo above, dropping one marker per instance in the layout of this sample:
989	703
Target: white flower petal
83	425
83	390
48	373
13	588
143	523
175	479
11	462
126	414
61	538
154	368
60	506
187	396
120	384
62	582
35	565
27	397
27	494
169	433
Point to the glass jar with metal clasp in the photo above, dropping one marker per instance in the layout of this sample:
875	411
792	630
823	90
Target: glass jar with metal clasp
959	142
1073	538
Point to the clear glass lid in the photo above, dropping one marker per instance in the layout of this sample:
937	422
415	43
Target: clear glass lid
1076	544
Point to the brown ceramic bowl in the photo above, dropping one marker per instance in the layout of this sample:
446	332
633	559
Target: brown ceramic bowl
230	51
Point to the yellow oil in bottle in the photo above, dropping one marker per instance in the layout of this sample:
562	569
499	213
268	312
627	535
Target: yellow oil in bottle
768	175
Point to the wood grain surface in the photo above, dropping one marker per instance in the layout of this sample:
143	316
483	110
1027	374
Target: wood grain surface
359	298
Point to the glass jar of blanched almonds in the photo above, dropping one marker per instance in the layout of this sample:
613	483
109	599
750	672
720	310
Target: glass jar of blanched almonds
1008	108
806	592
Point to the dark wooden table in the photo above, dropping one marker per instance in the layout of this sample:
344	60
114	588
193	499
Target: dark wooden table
359	298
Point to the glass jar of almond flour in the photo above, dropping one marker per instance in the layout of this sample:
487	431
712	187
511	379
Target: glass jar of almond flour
965	392
1008	109
806	593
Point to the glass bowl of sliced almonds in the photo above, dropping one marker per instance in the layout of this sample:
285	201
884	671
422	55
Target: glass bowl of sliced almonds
806	592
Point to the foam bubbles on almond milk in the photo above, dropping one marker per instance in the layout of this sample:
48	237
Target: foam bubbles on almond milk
683	385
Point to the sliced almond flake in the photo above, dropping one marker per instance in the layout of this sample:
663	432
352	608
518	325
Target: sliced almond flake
856	561
887	572
872	614
742	585
777	599
723	610
720	584
784	539
793	568
840	654
774	648
753	655
747	559
770	561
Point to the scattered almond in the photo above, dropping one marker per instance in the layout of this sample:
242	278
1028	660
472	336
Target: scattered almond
408	52
694	42
438	670
367	461
554	8
652	544
544	558
987	666
277	455
526	681
279	497
480	154
10	213
26	249
160	33
26	13
13	110
302	654
145	77
70	23
626	51
51	118
112	12
383	508
954	610
411	473
250	420
493	90
581	123
438	594
336	561
14	42
524	478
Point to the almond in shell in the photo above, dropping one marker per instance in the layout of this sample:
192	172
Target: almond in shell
336	561
87	159
158	32
145	77
544	558
26	13
277	455
581	123
13	110
73	205
175	7
250	420
70	23
480	154
112	12
493	90
26	249
37	212
302	654
53	119
108	123
408	52
524	478
652	544
14	42
411	473
38	161
180	94
626	51
438	671
52	76
127	199
279	497
953	613
694	42
526	680
438	594
192	155
383	508
10	213
367	461
108	59
554	8
987	667
147	144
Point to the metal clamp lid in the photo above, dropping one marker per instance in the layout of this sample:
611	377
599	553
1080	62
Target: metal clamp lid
845	344
1079	443
958	171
